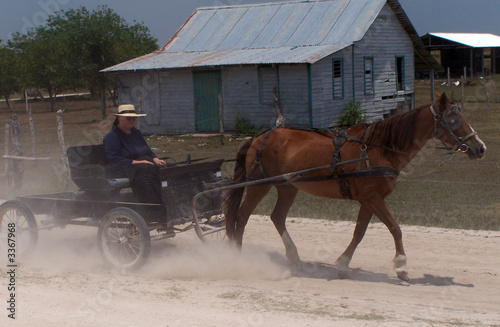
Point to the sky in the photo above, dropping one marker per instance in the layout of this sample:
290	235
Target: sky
165	17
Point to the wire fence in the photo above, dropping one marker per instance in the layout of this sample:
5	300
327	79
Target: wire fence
478	199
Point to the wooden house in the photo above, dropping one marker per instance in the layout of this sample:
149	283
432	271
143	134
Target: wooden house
318	55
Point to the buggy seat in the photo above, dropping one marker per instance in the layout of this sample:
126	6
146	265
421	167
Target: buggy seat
90	171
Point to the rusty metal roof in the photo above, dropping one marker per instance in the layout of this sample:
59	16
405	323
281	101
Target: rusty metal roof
271	33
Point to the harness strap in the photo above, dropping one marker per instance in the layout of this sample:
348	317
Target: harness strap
338	170
373	172
257	162
364	150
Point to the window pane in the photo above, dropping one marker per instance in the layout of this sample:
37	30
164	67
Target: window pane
400	73
369	76
338	79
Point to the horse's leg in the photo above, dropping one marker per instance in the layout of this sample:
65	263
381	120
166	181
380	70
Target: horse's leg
254	195
364	217
378	206
286	197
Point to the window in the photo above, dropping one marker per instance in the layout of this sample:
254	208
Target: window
268	81
369	77
338	78
400	73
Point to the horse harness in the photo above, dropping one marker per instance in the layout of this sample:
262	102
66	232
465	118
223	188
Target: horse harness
336	165
451	122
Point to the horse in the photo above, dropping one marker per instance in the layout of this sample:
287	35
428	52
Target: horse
384	148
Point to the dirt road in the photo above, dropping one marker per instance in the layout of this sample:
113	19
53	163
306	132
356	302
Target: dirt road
455	280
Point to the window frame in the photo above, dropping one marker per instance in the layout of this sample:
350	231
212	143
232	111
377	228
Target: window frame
400	70
369	90
342	85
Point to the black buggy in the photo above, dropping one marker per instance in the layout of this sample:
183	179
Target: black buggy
125	226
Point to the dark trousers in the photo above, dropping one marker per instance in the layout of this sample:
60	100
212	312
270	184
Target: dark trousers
145	182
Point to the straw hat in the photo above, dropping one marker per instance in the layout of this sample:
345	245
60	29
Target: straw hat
128	110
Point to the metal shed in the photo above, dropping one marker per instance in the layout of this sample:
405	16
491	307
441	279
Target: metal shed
317	54
479	52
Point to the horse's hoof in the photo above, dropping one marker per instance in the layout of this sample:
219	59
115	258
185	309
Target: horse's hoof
403	275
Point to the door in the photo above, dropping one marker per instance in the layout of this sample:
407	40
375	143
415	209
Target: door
207	86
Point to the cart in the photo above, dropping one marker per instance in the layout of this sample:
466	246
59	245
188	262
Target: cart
125	227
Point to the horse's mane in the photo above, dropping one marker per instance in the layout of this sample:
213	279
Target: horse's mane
396	132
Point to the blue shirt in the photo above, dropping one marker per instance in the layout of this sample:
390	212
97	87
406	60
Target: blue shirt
121	148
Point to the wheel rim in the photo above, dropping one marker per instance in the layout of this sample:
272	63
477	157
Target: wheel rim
122	242
22	236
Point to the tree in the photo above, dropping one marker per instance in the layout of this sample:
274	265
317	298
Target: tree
46	61
71	49
10	74
100	39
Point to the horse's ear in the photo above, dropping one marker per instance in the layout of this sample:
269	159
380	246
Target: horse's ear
443	102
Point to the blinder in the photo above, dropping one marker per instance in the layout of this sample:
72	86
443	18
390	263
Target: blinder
452	120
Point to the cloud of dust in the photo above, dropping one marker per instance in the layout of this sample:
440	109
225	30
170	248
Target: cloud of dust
189	258
74	249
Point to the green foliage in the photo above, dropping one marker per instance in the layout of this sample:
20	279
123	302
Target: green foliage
244	127
352	115
44	56
10	73
74	45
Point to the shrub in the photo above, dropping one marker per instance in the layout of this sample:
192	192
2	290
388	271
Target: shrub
352	115
244	127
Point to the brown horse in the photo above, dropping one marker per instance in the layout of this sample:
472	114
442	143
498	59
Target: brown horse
391	144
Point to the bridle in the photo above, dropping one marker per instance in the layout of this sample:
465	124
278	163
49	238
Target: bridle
451	122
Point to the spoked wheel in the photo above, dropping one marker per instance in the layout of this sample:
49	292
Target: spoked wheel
123	239
213	228
18	230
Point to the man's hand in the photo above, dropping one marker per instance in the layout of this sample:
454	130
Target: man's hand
159	162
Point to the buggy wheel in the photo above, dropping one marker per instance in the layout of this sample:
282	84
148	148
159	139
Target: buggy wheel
18	229
123	239
213	228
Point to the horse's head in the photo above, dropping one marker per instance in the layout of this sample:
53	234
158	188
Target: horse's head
451	127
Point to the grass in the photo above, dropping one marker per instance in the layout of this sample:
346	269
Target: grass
432	191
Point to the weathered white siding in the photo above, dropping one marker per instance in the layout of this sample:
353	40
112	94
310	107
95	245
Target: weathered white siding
294	101
326	109
241	96
305	93
177	101
240	90
385	40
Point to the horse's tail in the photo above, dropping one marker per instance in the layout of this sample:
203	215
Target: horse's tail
232	198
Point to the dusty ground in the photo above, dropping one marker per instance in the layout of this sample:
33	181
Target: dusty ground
455	281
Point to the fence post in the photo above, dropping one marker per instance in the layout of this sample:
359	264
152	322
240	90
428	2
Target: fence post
462	86
65	166
221	121
280	119
139	111
8	181
17	165
32	129
495	89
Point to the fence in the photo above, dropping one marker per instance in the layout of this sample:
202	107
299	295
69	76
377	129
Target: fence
13	151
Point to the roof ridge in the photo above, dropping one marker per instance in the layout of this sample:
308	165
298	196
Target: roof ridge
277	3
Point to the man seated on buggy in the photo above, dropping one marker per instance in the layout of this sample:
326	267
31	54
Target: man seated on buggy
131	157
